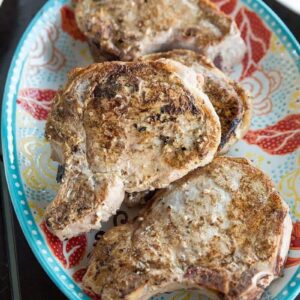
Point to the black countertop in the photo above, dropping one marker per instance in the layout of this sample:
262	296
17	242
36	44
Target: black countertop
23	277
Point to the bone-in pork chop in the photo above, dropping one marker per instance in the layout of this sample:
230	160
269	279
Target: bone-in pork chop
126	29
125	127
231	102
222	229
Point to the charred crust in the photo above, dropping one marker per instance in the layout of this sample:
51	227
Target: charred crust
229	98
142	129
105	91
167	109
99	54
75	148
191	32
194	109
226	135
165	139
230	110
154	117
60	173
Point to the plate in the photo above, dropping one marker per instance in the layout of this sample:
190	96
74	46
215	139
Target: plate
52	45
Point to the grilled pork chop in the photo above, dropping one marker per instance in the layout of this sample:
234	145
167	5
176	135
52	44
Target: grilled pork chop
222	229
120	127
126	29
229	99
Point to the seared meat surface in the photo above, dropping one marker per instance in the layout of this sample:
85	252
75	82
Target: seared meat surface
222	228
126	29
231	102
229	99
125	127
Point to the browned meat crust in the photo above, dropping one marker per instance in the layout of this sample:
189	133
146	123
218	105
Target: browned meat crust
124	30
125	126
231	102
220	228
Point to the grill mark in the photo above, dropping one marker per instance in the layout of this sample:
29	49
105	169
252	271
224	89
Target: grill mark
227	134
105	91
60	173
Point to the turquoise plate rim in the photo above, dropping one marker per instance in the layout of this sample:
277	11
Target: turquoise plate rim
13	178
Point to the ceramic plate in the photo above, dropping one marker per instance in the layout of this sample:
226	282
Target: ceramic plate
52	45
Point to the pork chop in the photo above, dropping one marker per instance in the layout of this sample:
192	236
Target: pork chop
222	229
124	30
231	102
125	127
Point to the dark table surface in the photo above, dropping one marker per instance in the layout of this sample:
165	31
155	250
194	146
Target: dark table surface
24	278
